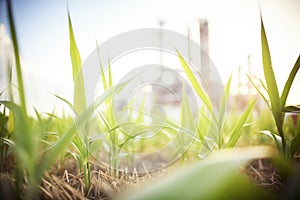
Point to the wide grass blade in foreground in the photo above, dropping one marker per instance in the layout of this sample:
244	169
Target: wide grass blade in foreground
25	138
213	178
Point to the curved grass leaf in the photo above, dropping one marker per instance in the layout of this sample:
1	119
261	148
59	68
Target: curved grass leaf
79	89
292	109
213	178
259	92
269	73
17	56
60	145
197	87
295	145
276	138
238	128
289	82
223	104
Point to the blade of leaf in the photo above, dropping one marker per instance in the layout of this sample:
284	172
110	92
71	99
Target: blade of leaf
277	139
269	73
260	93
199	90
61	144
17	57
211	178
289	82
223	104
109	74
293	109
66	101
238	128
295	144
79	89
101	68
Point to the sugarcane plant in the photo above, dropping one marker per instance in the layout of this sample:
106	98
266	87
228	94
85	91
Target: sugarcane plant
275	102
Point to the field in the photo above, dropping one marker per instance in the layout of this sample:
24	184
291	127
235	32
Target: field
211	152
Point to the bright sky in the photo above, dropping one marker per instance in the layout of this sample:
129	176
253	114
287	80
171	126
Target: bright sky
234	31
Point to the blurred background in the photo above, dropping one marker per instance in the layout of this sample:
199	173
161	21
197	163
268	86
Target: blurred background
228	29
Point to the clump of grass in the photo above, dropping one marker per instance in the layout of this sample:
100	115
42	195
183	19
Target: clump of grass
212	120
277	103
31	164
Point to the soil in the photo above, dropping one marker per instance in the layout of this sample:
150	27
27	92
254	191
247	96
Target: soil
64	181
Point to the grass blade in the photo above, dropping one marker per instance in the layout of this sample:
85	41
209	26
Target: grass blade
292	109
269	73
60	145
295	144
223	104
238	128
289	82
79	89
109	74
199	90
17	57
260	93
186	115
101	68
213	178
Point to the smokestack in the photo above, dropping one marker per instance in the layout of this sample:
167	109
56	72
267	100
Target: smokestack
204	40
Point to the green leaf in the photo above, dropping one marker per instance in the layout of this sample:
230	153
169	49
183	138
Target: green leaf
295	144
213	178
223	104
292	109
66	101
109	74
186	115
269	73
260	92
238	128
17	57
79	89
61	144
203	124
289	82
101	68
276	138
197	87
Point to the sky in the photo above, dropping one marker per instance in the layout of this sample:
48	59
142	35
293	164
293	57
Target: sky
234	33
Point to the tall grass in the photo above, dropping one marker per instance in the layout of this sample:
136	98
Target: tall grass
31	164
275	102
212	120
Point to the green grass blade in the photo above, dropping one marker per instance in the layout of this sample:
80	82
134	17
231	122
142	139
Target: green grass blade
204	124
109	74
292	109
140	117
65	101
269	73
186	115
295	144
260	92
213	178
60	145
17	57
223	104
289	82
238	128
277	139
193	80
79	89
104	82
